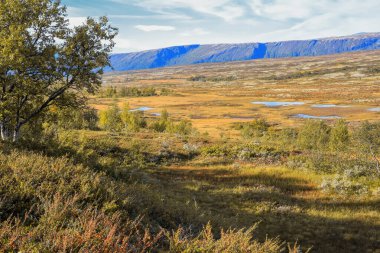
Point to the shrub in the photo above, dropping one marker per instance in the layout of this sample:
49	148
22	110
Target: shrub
184	127
357	171
113	119
256	129
198	78
112	92
217	151
110	119
368	140
66	228
314	135
343	185
230	241
339	138
191	149
165	92
165	124
162	124
136	121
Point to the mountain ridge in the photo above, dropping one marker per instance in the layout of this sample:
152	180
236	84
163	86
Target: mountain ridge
217	53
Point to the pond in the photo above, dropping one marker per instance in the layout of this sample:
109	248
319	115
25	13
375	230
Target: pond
141	109
306	116
156	114
376	109
330	106
277	104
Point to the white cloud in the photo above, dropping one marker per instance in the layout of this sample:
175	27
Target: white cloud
163	16
225	9
154	28
284	10
229	21
195	32
76	21
325	19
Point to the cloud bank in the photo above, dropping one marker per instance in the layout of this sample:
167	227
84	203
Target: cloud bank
146	24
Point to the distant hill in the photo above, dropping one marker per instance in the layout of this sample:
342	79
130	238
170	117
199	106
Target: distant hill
195	54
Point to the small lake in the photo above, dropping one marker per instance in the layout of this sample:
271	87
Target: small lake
156	114
330	106
306	116
141	109
376	109
277	104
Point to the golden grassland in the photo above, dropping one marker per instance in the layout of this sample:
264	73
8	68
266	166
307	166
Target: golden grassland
212	106
288	203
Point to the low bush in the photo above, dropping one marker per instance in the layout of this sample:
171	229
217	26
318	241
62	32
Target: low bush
230	241
54	205
343	185
113	92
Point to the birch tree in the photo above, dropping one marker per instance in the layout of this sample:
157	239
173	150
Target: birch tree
45	61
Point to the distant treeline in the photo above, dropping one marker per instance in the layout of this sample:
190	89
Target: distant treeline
306	74
201	78
113	92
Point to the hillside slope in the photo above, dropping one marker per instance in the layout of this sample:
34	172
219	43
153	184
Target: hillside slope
195	54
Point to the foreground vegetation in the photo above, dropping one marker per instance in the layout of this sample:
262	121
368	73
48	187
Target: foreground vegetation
116	188
86	191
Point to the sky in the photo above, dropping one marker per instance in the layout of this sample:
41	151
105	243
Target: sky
152	24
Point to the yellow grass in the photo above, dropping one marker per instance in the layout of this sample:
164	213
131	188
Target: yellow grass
214	106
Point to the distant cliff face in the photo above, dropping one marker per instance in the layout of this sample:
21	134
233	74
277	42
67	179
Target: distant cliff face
195	54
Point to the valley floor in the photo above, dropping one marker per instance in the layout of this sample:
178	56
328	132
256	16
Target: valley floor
284	203
148	167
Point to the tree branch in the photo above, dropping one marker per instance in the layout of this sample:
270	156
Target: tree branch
47	103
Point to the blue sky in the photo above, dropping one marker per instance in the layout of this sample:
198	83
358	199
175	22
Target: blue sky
150	24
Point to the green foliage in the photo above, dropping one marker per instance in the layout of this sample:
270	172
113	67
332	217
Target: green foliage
339	138
165	92
56	205
314	135
69	118
136	121
183	128
201	78
165	124
132	121
162	124
44	62
243	152
217	151
256	129
113	92
61	206
115	120
283	139
109	92
110	119
198	78
368	138
341	184
308	74
372	70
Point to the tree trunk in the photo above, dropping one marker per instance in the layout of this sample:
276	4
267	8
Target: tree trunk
4	132
16	134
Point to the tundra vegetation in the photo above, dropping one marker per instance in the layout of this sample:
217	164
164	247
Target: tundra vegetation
99	176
